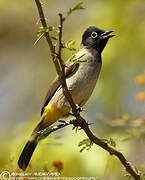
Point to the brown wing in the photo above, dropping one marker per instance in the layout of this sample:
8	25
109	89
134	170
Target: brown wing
69	70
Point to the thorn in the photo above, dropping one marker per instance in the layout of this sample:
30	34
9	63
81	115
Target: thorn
37	22
77	129
73	128
55	44
66	66
89	123
43	3
46	19
38	39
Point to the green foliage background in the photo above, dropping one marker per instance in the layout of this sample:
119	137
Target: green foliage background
26	72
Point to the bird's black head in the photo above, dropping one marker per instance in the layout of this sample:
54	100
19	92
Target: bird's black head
96	38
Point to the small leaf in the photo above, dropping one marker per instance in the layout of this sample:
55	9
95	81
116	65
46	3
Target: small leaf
45	29
69	45
78	59
127	175
54	38
136	169
109	141
112	142
43	133
82	149
86	144
81	56
143	175
76	7
72	57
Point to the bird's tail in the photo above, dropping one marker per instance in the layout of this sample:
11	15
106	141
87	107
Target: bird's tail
26	154
54	114
29	148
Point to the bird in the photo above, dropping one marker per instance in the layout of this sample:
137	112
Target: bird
81	77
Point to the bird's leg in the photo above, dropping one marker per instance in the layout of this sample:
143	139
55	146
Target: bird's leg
78	109
76	126
74	121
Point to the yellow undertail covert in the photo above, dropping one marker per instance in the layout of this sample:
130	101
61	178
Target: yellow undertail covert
53	113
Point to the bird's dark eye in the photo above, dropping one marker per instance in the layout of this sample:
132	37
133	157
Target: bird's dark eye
94	35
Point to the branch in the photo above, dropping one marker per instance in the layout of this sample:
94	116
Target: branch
47	36
80	121
62	76
53	54
44	133
60	41
112	151
44	24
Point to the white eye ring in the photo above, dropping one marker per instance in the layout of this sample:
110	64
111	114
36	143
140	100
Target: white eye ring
94	35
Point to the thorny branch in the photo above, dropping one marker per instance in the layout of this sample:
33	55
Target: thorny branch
80	121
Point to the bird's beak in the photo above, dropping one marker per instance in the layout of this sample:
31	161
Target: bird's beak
106	35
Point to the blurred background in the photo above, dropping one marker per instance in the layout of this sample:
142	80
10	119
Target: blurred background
116	108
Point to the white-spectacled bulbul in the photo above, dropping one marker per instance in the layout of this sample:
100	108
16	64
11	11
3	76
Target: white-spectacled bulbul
81	79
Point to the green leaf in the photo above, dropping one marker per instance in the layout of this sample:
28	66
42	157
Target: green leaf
45	29
78	59
69	45
109	141
54	38
127	175
43	133
82	149
76	7
143	175
86	144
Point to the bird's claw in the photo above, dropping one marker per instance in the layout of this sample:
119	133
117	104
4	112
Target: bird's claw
78	109
76	126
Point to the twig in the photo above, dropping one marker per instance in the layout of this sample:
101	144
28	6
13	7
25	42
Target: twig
112	151
47	36
44	24
63	81
50	130
99	142
80	121
60	41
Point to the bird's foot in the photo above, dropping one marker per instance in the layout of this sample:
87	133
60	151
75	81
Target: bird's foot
78	126
78	109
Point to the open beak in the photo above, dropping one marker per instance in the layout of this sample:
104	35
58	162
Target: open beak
106	35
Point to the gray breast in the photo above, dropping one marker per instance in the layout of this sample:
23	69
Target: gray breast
82	83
